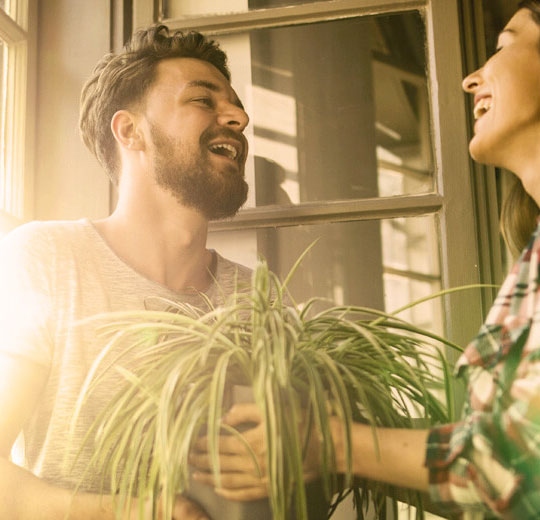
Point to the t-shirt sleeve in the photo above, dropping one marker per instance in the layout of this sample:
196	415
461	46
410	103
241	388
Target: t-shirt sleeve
25	295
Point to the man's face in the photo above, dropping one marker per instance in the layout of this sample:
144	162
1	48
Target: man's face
196	125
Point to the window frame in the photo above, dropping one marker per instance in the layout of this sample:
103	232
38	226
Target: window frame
18	31
456	196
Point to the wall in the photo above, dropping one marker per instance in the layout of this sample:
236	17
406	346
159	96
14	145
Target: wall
72	36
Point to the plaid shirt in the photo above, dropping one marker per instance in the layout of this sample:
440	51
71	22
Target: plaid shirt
490	461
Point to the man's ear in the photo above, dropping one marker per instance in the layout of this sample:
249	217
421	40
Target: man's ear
126	130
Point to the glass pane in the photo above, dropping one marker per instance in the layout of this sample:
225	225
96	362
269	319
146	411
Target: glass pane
185	8
339	110
383	264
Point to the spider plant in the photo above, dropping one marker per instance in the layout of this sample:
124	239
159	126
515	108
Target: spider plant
356	363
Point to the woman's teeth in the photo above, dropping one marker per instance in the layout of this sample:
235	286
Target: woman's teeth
482	107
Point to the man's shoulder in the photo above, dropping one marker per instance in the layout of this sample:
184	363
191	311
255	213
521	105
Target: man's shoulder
235	266
232	275
45	231
232	266
43	240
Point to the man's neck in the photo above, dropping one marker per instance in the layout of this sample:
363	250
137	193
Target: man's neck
166	244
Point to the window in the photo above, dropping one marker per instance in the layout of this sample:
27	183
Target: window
15	185
15	168
357	140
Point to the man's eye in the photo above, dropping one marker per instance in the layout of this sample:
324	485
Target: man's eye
205	101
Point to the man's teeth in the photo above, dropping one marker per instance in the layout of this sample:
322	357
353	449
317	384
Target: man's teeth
225	149
482	107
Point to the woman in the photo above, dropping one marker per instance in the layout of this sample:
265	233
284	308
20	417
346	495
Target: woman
489	461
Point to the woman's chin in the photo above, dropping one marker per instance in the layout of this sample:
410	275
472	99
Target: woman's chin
480	152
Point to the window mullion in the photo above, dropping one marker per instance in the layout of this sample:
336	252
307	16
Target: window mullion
290	15
14	128
333	211
10	31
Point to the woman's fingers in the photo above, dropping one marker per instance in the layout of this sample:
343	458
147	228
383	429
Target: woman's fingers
242	495
232	480
235	444
243	413
239	490
227	444
245	464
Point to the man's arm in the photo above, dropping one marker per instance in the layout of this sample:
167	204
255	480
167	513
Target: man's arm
23	496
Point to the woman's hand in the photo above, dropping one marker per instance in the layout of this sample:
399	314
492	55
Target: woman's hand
243	468
243	460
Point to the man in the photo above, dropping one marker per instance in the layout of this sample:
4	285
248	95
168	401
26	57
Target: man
163	120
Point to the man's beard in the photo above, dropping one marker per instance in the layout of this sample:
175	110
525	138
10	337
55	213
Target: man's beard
193	178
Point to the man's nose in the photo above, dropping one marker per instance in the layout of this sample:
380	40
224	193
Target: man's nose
234	117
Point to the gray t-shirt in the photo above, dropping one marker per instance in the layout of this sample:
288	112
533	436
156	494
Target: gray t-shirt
53	275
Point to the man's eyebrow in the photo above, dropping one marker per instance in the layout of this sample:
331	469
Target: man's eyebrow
203	83
213	87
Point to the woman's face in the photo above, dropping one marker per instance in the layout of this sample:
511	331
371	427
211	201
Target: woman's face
507	97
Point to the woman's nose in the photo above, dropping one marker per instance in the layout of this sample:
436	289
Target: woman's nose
472	81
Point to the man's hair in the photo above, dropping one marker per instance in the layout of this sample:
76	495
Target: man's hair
120	81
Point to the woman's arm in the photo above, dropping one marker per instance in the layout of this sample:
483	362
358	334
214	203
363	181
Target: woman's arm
397	457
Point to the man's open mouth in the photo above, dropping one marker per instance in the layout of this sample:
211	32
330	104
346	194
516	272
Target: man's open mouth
225	150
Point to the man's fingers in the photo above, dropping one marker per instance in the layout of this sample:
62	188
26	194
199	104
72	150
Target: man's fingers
185	509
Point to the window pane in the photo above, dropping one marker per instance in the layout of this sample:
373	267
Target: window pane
4	181
183	8
339	109
383	264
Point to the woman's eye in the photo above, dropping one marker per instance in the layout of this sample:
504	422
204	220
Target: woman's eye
497	49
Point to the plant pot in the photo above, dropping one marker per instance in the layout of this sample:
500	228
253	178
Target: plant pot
219	508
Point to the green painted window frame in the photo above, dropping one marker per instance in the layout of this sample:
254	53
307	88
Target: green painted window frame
464	198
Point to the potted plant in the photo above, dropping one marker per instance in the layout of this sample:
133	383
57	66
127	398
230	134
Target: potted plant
179	367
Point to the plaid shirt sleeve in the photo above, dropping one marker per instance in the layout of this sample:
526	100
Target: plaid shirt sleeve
490	460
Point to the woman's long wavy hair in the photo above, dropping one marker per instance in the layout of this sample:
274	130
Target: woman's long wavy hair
519	210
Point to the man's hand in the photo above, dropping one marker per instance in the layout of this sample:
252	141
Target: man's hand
243	469
183	509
